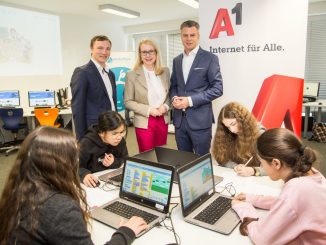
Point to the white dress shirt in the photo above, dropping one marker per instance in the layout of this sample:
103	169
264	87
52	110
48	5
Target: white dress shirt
156	94
187	61
104	72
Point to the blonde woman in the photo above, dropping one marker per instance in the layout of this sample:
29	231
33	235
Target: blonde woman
146	94
236	134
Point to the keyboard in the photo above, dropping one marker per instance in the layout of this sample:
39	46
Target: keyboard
117	178
127	211
215	210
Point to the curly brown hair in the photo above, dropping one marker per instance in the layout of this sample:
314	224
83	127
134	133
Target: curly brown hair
239	147
47	161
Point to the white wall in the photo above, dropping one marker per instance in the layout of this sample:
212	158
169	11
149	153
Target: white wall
76	33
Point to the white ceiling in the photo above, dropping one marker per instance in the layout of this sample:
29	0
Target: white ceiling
150	10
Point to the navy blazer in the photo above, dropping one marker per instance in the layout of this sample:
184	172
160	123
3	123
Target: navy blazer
89	96
204	84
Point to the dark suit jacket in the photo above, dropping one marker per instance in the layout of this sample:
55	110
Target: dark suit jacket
89	96
204	84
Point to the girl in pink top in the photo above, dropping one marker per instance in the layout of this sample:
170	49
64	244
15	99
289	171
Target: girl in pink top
297	216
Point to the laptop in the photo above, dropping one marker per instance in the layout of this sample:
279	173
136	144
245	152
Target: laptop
173	158
114	177
200	204
145	191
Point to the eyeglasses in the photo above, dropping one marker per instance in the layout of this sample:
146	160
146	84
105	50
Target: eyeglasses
149	52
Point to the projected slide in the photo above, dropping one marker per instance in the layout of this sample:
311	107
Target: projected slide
148	182
30	43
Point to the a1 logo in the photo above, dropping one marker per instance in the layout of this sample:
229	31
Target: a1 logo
223	23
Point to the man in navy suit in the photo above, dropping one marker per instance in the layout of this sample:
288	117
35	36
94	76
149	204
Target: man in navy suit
195	82
93	87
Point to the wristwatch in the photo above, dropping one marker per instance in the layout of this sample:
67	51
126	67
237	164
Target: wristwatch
256	171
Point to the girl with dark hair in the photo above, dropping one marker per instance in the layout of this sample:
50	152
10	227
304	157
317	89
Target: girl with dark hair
103	147
43	202
297	216
234	140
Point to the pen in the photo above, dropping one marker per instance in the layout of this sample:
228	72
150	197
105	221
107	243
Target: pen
248	161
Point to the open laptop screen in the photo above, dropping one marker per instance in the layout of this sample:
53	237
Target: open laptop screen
9	98
196	181
148	184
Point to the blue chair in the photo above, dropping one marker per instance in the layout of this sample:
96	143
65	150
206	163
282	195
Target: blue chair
11	118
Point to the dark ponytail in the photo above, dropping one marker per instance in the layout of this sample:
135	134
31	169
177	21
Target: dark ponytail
282	144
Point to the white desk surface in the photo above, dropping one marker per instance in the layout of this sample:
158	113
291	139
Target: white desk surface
189	234
28	112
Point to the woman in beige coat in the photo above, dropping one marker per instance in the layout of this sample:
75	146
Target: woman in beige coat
146	94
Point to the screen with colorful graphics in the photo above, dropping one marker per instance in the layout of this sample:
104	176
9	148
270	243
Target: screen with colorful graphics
196	181
147	182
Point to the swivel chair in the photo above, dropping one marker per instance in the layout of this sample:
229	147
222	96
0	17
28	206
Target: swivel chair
47	116
11	118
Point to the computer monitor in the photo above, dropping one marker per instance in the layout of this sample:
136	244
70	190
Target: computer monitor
9	98
41	98
311	89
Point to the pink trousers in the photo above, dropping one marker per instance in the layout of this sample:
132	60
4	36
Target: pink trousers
155	135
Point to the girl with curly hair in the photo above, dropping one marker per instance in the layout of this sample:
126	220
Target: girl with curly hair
235	137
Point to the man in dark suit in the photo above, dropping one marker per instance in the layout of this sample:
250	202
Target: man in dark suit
195	82
93	87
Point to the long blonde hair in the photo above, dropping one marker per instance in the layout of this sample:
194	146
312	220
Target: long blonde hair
239	147
158	69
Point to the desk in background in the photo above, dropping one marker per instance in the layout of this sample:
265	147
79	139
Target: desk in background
320	104
65	113
189	234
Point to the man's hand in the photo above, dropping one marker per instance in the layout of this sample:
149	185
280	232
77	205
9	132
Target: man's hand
180	102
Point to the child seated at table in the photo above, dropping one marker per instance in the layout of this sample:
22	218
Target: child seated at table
234	140
103	147
297	216
43	202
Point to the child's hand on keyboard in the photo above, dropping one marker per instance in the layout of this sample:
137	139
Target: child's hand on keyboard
136	224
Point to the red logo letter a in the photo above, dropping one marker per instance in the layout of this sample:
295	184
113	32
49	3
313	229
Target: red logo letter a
221	16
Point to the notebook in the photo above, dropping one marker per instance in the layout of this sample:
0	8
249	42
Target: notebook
200	202
145	189
114	177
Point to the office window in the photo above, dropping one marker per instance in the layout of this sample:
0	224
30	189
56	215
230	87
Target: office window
316	52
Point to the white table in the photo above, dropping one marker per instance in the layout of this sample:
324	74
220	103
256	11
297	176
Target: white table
189	234
319	104
65	113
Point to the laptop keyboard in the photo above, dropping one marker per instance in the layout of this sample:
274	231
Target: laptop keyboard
127	211
215	210
117	178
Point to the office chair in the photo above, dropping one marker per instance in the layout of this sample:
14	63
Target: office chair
47	116
11	118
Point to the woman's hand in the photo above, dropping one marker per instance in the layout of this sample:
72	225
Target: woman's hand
154	112
90	180
239	198
242	170
136	224
108	160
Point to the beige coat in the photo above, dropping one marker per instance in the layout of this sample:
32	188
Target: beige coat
136	99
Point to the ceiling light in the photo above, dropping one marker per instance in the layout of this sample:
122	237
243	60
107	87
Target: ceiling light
191	3
113	9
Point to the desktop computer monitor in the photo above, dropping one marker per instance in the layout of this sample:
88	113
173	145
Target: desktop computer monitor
311	89
9	98
41	98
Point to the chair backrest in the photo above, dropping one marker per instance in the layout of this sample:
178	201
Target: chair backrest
46	116
11	118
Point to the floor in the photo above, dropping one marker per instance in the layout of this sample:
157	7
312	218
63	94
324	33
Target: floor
6	162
